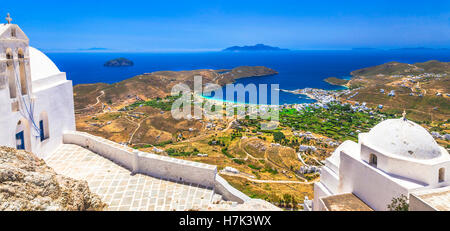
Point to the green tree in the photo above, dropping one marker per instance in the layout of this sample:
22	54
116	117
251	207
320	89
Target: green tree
287	198
400	203
278	137
294	203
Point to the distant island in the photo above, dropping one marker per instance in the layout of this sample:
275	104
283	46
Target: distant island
257	47
119	62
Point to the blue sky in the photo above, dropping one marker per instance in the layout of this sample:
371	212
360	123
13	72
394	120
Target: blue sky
194	25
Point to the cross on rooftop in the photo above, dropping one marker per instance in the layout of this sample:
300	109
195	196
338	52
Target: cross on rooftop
8	18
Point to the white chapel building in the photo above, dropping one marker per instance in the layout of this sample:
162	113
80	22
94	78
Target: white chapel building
396	157
36	99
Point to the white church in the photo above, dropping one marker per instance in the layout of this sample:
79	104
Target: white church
397	157
36	99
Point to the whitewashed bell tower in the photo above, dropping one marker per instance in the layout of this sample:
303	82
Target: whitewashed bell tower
15	79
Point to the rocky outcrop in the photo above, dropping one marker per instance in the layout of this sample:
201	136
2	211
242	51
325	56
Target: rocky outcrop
119	62
28	184
337	81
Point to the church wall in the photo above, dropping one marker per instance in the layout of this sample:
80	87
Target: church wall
5	103
331	165
320	191
369	184
49	81
424	172
3	76
8	125
57	103
329	179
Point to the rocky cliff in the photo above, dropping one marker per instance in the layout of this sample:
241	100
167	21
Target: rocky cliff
28	184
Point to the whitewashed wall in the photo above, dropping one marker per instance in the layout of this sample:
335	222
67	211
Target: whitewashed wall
320	191
57	102
228	192
146	163
371	185
423	171
156	165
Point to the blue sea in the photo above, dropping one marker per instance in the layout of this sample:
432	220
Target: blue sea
297	69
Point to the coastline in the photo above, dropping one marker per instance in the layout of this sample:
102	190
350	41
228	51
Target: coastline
319	95
343	82
308	92
227	101
316	94
298	92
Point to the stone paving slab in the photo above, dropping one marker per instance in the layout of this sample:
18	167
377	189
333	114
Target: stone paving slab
123	191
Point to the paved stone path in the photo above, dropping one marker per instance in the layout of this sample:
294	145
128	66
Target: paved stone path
125	192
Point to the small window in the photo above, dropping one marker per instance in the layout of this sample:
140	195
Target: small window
441	175
13	32
20	141
373	160
43	130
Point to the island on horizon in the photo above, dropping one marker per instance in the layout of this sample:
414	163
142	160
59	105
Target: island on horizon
257	47
119	62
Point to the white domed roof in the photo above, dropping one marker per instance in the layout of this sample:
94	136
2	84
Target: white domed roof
404	138
41	66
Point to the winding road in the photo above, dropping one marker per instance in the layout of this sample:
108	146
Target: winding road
93	105
137	128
